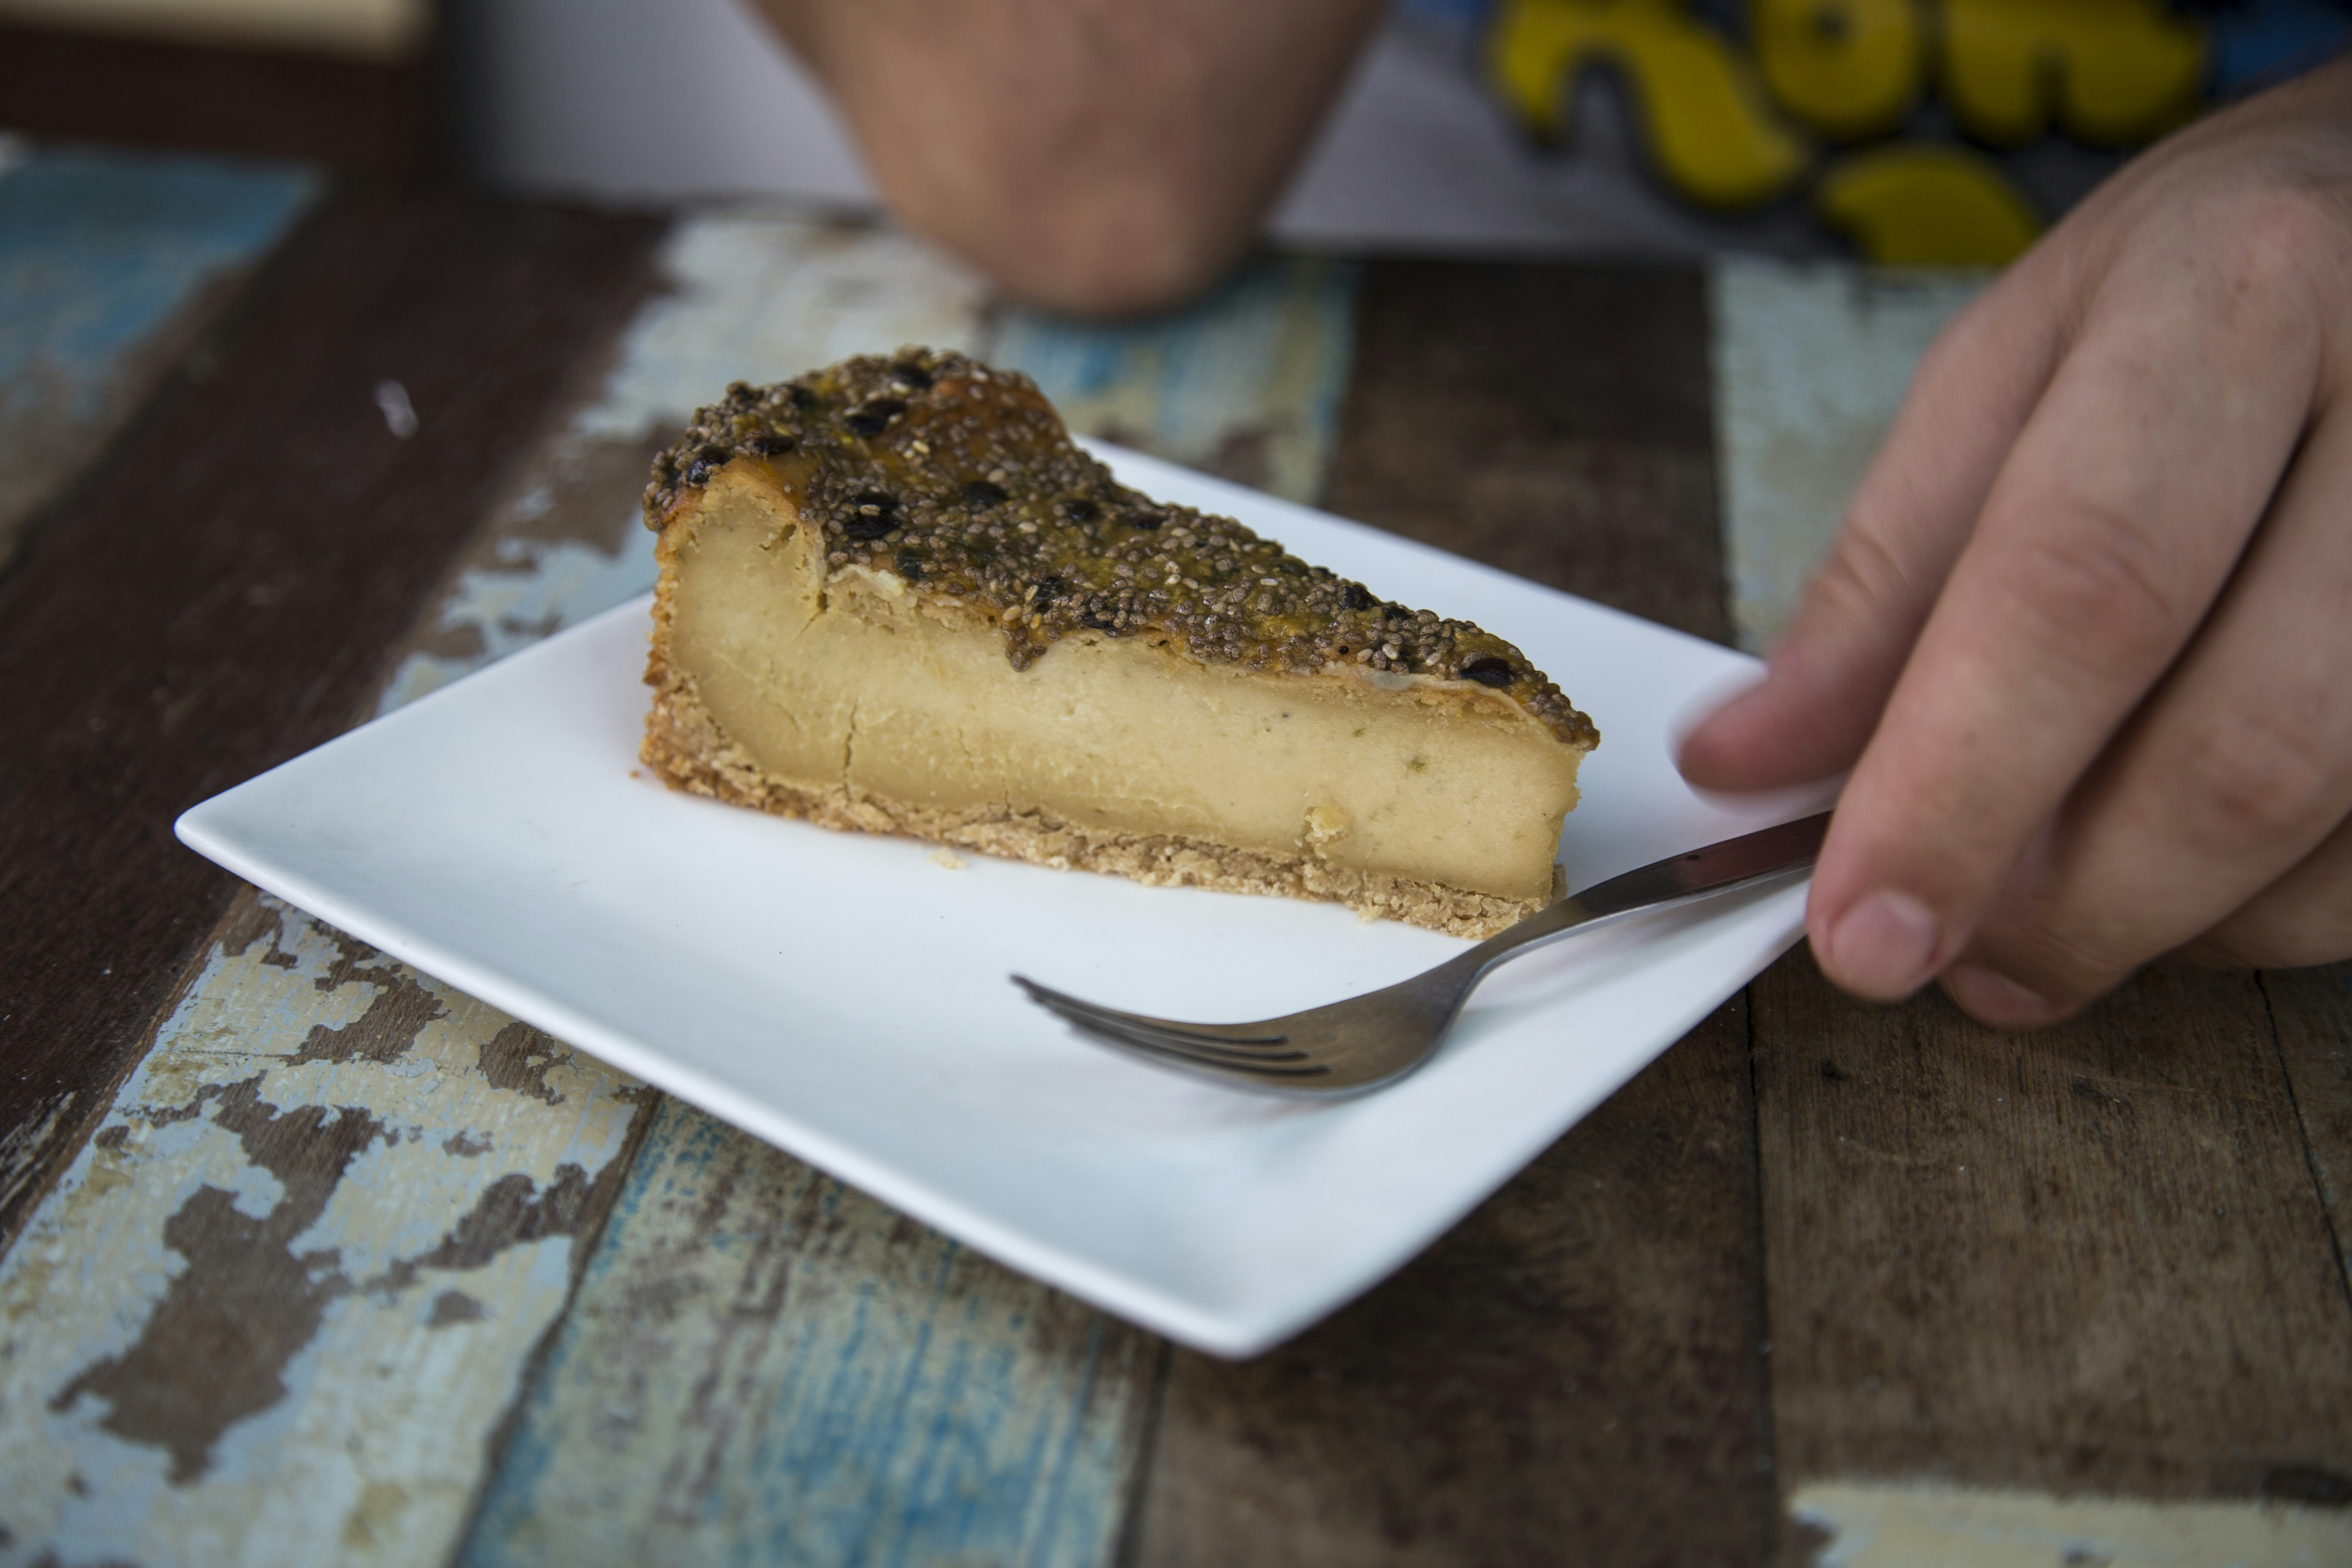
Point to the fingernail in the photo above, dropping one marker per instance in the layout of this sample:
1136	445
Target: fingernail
1884	947
1996	998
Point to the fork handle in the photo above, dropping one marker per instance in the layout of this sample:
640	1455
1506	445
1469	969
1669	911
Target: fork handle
1678	878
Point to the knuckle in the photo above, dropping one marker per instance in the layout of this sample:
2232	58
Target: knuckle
1864	579
2279	236
2273	933
2093	590
2260	773
2067	960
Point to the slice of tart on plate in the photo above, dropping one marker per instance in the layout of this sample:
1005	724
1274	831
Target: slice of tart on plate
896	597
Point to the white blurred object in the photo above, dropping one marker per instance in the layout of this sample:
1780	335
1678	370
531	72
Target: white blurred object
399	414
359	29
649	101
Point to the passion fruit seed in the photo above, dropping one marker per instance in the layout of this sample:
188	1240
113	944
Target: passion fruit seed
1489	671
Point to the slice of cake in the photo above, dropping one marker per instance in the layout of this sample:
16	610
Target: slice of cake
895	597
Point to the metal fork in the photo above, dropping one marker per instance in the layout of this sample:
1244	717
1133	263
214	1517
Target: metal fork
1366	1041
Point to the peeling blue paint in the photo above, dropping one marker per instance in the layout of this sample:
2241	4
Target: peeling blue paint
99	250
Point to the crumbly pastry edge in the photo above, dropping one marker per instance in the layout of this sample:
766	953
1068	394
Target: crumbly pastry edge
686	746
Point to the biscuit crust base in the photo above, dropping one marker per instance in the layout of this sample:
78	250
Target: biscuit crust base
692	753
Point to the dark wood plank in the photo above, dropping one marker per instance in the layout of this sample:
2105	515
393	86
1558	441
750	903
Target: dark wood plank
223	594
2086	1260
373	116
1576	1371
2313	1011
1550	420
110	265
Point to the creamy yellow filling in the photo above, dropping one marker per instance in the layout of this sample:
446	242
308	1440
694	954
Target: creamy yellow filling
864	681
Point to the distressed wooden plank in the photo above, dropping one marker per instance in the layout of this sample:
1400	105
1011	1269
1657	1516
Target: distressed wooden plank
1877	1525
746	297
111	264
1243	383
766	1366
1575	1373
2313	1011
1572	1375
371	115
2089	1259
223	594
1812	361
849	1385
1550	420
278	1306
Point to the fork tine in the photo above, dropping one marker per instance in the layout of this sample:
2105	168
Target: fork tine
1239	1066
1113	1027
1076	1008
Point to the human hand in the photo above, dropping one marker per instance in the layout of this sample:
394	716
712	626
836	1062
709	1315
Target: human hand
2085	638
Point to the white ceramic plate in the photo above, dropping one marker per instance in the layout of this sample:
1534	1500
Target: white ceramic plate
845	997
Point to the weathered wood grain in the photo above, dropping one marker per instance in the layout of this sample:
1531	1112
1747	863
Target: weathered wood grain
766	1366
2312	1009
1572	1375
1812	361
1243	383
1880	1524
1550	420
111	264
1576	1373
277	1309
558	547
223	594
747	297
2085	1259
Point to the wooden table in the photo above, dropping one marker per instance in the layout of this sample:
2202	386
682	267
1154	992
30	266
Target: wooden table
311	1259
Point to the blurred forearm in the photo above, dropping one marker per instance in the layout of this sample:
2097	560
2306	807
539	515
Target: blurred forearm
1096	155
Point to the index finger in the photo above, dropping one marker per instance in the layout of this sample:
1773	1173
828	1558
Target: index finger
2111	528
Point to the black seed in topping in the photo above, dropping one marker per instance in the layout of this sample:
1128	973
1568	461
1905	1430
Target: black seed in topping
876	515
1145	521
907	373
1489	671
979	492
716	452
1080	509
1094	619
804	399
774	443
910	565
1358	597
1050	588
876	416
698	472
1395	613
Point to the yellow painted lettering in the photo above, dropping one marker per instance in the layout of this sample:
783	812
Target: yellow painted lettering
1849	69
1927	206
1704	119
2112	72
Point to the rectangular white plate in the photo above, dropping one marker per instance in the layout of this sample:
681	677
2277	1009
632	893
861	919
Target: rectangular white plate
845	997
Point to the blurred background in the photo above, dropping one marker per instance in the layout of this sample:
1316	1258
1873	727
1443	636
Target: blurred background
652	103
